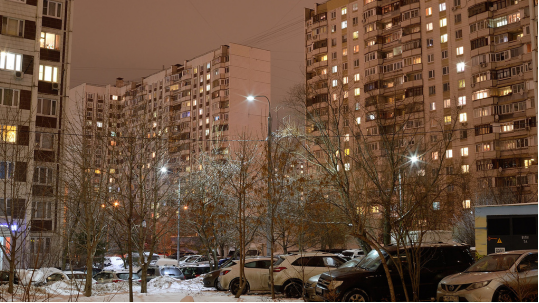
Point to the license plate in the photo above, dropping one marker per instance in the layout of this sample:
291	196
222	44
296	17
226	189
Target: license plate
451	298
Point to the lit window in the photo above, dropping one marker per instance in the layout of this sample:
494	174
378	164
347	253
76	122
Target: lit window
344	24
356	49
99	124
464	152
347	138
9	133
433	106
358	120
48	73
434	155
449	153
428	11
346	166
460	67
347	152
49	41
462	83
447	103
465	168
10	61
460	50
429	26
447	119
345	52
343	11
334	83
466	204
208	87
324	58
443	22
356	77
442	7
208	77
443	38
355	35
436	205
356	92
462	100
344	80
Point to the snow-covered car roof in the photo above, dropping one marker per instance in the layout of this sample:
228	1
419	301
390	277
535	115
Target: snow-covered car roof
26	276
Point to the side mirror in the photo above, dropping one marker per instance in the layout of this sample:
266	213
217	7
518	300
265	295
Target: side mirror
523	267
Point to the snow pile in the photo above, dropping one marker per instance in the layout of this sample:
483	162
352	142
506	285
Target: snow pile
168	284
67	288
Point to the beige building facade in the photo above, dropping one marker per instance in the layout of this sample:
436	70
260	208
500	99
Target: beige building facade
472	62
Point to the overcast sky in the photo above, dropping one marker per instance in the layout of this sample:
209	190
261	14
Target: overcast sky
134	38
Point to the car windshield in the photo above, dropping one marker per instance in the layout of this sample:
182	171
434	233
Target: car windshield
190	259
76	276
171	271
371	261
350	263
125	276
494	263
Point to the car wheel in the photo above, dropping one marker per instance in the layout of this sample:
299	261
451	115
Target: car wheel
235	286
217	285
293	290
505	295
356	295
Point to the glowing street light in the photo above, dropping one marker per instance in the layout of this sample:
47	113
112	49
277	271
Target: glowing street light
163	169
413	159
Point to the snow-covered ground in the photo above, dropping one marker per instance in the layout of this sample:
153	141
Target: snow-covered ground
162	289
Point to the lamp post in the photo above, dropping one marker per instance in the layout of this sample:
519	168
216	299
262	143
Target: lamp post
179	212
269	249
270	173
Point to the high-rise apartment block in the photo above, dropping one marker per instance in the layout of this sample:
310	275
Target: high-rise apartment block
199	106
35	52
474	61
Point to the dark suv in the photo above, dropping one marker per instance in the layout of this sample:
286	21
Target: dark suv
367	281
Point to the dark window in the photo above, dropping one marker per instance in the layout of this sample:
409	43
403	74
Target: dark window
498	226
250	265
458	18
525	226
316	262
528	263
458	34
457	255
301	261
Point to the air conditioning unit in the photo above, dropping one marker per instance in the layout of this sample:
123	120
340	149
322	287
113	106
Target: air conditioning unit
56	86
315	37
454	8
464	123
520	74
528	127
496	117
364	20
19	75
491	8
521	92
483	64
472	85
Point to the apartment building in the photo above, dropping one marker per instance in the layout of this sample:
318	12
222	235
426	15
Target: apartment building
471	61
200	105
34	77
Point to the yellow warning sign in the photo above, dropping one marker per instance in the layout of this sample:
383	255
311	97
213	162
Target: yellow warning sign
499	240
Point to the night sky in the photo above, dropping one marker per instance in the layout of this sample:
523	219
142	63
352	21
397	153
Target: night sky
134	38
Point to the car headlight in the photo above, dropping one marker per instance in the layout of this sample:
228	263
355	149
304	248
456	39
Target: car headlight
334	284
478	285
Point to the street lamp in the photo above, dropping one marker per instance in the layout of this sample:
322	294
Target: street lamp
251	98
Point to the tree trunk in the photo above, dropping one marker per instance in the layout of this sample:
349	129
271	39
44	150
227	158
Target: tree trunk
89	271
11	273
143	281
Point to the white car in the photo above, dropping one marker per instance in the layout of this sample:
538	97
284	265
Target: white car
290	272
188	259
113	261
41	277
78	277
354	253
256	274
509	276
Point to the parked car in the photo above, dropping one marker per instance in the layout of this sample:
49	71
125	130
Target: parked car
4	277
192	271
77	276
310	286
162	271
188	259
354	253
110	276
508	276
164	262
256	275
113	261
367	281
42	276
211	278
292	270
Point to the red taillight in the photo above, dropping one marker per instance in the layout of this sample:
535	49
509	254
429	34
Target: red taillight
196	276
140	281
224	272
279	269
116	281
